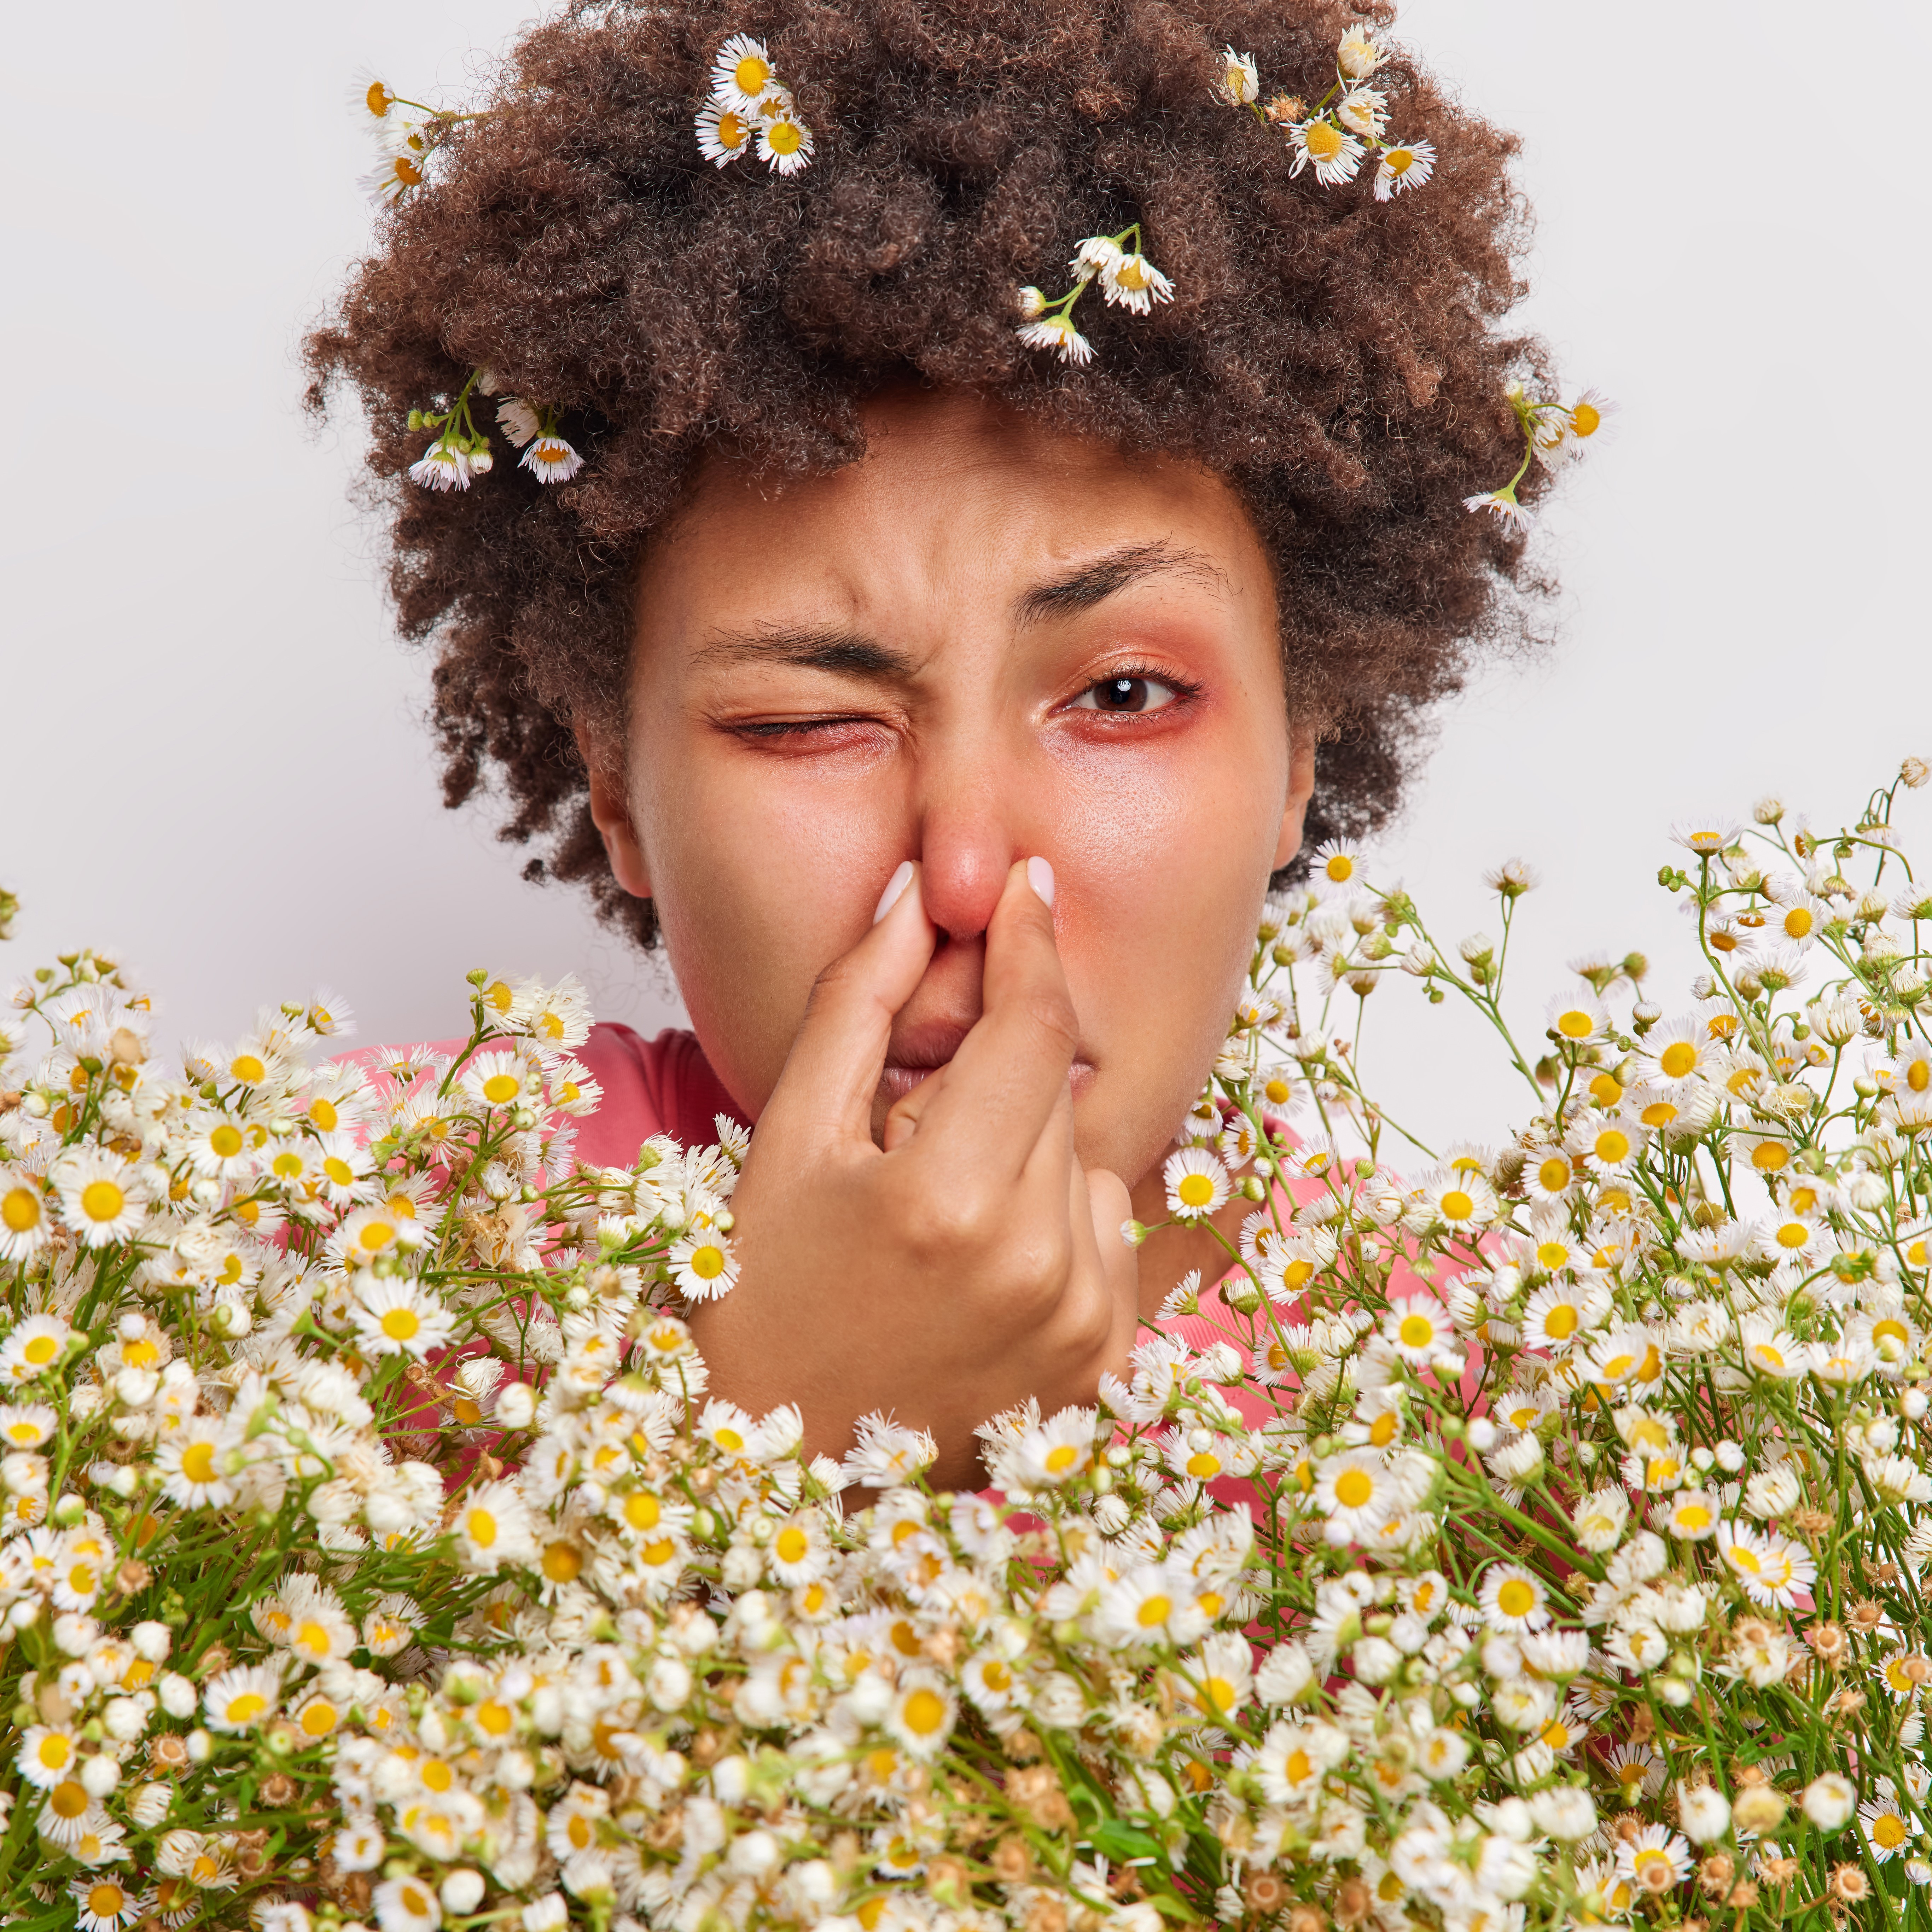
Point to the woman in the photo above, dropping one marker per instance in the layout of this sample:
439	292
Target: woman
940	682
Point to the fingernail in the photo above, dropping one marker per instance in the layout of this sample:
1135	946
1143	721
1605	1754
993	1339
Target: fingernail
900	878
1039	876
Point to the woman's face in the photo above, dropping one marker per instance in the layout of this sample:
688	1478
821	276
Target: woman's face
984	642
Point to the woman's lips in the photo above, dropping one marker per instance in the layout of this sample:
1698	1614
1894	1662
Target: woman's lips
922	1050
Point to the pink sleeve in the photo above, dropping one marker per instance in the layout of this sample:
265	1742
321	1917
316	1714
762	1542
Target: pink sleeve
663	1085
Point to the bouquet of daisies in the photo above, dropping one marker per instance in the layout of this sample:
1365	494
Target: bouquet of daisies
1529	1535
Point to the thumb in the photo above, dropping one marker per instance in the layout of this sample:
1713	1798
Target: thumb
833	1071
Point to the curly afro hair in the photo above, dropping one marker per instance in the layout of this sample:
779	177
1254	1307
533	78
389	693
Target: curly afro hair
1340	362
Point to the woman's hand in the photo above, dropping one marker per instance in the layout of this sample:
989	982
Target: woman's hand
969	1263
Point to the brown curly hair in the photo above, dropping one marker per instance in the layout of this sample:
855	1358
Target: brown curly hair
1339	362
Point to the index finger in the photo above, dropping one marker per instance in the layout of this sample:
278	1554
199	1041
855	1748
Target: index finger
1001	1086
832	1070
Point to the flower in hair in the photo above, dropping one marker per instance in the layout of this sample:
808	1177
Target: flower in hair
1346	125
1239	83
460	453
406	134
1127	279
751	108
1552	432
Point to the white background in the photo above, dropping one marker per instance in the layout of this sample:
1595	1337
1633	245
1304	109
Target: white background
210	742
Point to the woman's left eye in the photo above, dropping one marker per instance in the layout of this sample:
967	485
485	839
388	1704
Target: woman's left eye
1129	692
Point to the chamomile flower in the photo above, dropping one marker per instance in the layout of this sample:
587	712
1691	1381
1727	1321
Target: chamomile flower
550	459
396	1317
1057	333
1883	1822
1418	1327
1512	1598
742	72
1146	1605
1588	421
242	1699
1770	1568
47	1755
1657	1860
442	465
1133	282
1197	1184
1240	82
1577	1019
784	142
102	1904
34	1346
1708	836
724	133
1403	166
1502	504
1358	1493
103	1198
1693	1516
1359	54
26	1225
1333	153
1055	1450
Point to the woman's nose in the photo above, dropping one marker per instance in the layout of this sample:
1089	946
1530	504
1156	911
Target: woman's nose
973	822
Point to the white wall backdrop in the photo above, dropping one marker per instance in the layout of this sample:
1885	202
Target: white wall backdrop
184	576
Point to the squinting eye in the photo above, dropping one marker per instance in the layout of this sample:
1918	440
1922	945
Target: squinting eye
1126	694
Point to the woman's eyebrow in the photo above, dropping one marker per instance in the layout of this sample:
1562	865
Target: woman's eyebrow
830	648
1080	589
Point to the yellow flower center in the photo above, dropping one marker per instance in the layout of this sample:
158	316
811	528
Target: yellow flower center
1516	1598
1353	1487
1612	1144
1554	1175
924	1712
376	1236
1417	1331
245	1067
1575	1023
791	1544
1889	1831
245	1708
481	1526
1585	419
225	1141
501	1088
1153	1612
197	1463
1769	1157
20	1211
707	1263
1202	1464
1196	1190
785	137
1323	142
750	75
641	1510
1061	1458
1677	1059
1399	161
401	1324
102	1200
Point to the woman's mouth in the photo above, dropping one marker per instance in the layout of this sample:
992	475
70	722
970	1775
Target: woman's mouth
922	1050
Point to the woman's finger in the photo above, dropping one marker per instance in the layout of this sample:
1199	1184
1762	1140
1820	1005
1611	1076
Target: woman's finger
1004	1082
832	1073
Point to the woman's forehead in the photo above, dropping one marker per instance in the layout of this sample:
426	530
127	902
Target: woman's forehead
951	489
